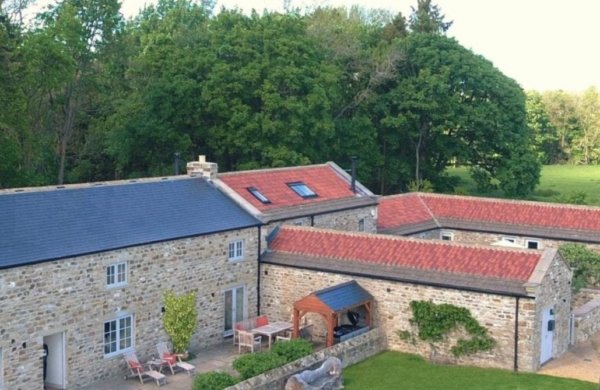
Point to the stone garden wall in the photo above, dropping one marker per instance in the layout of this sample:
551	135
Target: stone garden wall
349	352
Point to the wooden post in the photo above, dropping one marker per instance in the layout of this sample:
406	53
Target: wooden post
296	328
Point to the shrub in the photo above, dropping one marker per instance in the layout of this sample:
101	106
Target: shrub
254	364
179	319
293	349
213	380
585	264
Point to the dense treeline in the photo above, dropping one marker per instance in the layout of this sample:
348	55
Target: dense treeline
87	96
565	126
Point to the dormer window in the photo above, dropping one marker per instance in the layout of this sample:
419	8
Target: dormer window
258	195
302	190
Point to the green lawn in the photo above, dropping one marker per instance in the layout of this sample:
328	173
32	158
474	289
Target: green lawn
394	370
556	181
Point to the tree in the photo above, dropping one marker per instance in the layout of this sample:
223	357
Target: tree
562	114
544	137
586	147
179	319
449	103
428	18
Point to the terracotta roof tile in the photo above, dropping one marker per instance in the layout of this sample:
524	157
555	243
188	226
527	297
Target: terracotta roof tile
273	183
454	258
400	210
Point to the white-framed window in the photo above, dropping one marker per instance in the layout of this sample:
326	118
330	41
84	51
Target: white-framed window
510	240
447	236
302	190
118	335
532	244
116	274
236	250
361	225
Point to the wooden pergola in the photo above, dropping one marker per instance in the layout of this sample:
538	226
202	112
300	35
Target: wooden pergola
330	303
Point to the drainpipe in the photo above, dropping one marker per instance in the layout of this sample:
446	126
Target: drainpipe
516	363
312	220
258	274
353	182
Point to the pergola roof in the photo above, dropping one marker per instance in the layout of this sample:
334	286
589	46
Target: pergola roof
330	301
342	297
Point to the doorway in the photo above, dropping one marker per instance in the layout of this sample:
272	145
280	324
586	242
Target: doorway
54	363
234	308
548	324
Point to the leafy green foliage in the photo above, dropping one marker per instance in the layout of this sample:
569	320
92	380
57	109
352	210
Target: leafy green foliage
434	322
179	319
585	264
254	364
293	349
251	365
213	380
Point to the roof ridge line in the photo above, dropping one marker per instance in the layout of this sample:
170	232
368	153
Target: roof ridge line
278	169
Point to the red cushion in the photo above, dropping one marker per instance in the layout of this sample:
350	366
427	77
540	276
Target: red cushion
262	320
239	327
169	358
134	365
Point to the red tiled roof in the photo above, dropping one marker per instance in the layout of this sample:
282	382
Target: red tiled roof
272	183
402	210
514	212
396	211
398	251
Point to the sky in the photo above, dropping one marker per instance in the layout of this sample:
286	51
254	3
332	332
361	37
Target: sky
542	44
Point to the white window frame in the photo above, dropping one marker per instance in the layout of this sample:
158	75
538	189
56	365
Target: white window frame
361	225
446	234
119	274
235	250
119	326
539	244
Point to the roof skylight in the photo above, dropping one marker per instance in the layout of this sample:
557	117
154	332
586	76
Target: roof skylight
302	190
258	195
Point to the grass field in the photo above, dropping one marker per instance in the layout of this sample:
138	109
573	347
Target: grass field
557	183
394	370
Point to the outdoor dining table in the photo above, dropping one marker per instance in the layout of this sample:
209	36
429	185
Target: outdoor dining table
272	329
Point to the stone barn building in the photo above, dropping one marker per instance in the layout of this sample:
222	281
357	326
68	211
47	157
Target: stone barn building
83	271
489	221
522	297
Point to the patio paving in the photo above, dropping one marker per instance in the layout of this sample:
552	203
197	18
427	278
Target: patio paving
580	362
218	357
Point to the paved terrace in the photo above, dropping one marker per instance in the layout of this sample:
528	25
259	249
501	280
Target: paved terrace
218	357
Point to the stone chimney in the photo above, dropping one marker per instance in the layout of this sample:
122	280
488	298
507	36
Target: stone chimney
201	167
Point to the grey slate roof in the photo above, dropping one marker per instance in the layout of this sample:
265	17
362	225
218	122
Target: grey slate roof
45	225
343	296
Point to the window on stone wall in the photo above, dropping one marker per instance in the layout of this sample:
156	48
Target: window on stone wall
447	236
532	244
361	225
116	275
236	250
118	335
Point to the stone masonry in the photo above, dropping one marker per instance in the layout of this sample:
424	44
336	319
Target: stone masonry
71	296
282	286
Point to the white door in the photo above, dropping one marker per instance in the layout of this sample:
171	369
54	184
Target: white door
234	308
55	365
547	335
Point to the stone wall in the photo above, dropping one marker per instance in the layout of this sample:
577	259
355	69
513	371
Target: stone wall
71	296
471	237
587	320
346	220
349	352
282	286
554	292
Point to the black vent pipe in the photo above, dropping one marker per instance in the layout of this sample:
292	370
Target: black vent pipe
353	173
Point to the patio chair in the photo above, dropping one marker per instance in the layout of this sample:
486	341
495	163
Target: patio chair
238	326
249	340
287	336
306	331
137	369
173	360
